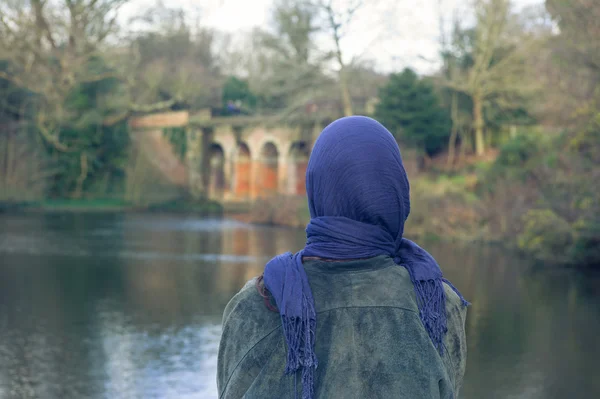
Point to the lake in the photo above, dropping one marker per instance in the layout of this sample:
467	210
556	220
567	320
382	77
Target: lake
129	306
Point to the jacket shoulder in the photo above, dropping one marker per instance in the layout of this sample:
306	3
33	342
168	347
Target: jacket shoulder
246	299
246	323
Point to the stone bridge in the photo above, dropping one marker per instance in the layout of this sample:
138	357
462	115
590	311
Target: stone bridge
236	159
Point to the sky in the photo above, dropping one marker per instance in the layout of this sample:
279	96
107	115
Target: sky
392	34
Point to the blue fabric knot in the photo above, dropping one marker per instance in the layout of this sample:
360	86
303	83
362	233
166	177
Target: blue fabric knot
358	196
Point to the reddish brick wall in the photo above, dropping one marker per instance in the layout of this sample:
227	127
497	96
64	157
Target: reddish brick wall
301	177
267	179
243	170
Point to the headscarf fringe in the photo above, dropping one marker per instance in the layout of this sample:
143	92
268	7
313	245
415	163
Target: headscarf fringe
432	309
300	337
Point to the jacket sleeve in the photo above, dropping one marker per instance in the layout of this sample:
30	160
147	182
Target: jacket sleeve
455	340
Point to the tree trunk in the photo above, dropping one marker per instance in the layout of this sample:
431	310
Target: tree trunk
453	132
452	147
346	98
83	161
465	142
478	124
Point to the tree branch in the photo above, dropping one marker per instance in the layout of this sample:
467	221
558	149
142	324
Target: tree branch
453	85
41	23
52	139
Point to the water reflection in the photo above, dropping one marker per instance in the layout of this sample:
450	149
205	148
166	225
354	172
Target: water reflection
129	306
532	333
119	306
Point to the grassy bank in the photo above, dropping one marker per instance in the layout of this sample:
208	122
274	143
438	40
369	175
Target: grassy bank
291	211
443	207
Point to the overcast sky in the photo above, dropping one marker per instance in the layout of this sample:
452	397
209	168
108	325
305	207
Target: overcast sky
391	33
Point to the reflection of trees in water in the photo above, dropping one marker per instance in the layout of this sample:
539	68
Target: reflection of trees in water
24	343
238	243
48	304
172	283
256	245
487	277
565	323
529	332
203	267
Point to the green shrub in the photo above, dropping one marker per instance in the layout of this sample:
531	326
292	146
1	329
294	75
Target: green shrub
514	161
543	190
546	235
517	151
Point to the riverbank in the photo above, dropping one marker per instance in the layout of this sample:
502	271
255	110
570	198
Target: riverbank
179	205
536	196
443	208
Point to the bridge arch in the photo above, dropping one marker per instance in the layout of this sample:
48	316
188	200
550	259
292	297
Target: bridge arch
259	138
217	182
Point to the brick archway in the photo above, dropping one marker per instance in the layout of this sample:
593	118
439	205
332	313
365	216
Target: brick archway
217	179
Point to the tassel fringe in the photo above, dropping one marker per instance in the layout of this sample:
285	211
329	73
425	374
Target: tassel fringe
300	337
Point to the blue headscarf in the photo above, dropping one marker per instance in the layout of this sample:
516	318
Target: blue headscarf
358	196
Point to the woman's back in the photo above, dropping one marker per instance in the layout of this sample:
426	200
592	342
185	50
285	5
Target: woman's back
370	341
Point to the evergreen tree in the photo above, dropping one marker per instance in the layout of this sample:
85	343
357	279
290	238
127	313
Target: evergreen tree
410	108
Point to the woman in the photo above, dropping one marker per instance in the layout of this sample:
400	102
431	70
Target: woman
360	312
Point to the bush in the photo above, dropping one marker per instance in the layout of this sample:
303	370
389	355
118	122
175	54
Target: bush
514	160
517	151
546	236
444	207
586	248
547	196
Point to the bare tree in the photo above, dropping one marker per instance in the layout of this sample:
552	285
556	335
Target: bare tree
170	60
51	48
579	39
495	67
575	78
449	69
284	65
291	66
338	19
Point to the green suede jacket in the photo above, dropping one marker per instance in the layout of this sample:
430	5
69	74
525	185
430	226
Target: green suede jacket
370	342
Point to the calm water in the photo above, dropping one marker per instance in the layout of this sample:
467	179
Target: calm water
129	306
